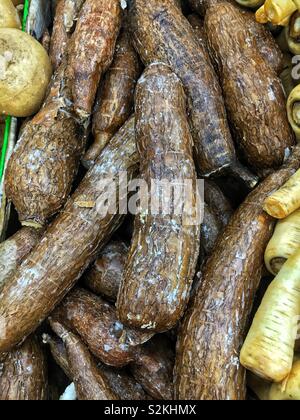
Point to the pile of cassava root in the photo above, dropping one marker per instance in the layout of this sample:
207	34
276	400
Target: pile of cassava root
115	306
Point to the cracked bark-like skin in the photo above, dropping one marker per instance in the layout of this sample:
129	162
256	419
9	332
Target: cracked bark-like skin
67	248
161	33
253	94
106	274
44	163
23	374
153	368
266	44
96	322
115	99
217	202
66	14
164	250
90	383
15	249
120	382
91	50
214	328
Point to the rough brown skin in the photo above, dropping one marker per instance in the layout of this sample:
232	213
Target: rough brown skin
15	249
59	354
153	368
106	274
120	382
23	374
69	245
218	203
91	50
253	94
265	42
95	321
165	248
44	163
161	33
65	17
115	96
90	383
210	230
215	326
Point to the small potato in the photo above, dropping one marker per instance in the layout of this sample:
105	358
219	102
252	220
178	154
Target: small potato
25	72
9	17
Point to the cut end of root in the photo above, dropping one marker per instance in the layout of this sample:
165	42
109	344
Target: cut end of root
276	264
274	208
296	113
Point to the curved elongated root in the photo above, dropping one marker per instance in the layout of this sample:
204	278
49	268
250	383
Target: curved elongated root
286	200
269	347
284	243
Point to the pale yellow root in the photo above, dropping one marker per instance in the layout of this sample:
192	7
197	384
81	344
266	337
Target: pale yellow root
9	17
268	350
278	12
286	200
290	388
284	242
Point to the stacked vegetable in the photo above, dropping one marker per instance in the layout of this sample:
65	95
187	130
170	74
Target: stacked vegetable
92	303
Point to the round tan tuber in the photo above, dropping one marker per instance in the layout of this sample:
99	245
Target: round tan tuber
25	72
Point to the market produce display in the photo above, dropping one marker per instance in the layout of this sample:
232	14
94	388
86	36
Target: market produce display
149	200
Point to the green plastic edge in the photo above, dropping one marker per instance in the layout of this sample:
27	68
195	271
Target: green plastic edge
8	119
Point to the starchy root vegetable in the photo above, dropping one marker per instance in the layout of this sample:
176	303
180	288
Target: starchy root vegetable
293	110
121	383
198	26
25	73
253	94
89	381
269	347
15	249
69	245
42	169
263	40
106	274
153	368
161	33
59	353
9	17
278	12
165	246
214	327
115	97
91	50
46	40
217	202
66	14
285	200
23	374
210	230
289	389
284	242
95	321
